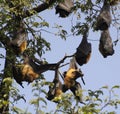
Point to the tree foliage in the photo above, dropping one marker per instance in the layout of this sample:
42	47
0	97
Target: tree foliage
21	34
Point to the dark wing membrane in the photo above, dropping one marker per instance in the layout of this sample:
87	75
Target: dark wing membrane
83	52
106	45
64	8
56	90
104	18
77	91
37	67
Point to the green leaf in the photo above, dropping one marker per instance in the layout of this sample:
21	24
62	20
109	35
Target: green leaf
7	80
43	100
116	87
34	101
44	24
104	87
36	24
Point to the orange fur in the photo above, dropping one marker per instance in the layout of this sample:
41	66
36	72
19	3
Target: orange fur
70	77
88	57
23	47
28	71
69	82
58	92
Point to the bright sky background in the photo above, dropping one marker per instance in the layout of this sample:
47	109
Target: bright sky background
97	73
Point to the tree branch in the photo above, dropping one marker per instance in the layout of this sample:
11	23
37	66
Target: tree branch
4	39
38	9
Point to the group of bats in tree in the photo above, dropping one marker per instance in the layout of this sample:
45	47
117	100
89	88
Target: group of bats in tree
31	68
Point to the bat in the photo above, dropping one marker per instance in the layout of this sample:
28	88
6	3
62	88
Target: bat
104	19
83	52
106	45
71	75
19	42
24	72
56	90
38	66
30	70
64	8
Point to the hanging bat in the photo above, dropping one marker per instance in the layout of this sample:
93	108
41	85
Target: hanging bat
71	75
64	8
37	66
56	90
19	43
83	52
23	72
30	70
104	19
106	45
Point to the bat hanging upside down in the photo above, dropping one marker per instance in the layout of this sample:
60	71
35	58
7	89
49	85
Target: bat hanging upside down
64	8
70	80
30	70
83	52
106	45
104	19
71	75
56	90
19	43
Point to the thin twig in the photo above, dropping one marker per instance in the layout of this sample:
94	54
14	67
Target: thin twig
61	75
61	61
108	101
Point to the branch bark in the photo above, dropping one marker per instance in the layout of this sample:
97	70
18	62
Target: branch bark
38	9
5	85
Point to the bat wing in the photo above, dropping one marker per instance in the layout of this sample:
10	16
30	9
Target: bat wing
83	52
37	66
17	75
106	45
104	18
56	90
64	8
76	90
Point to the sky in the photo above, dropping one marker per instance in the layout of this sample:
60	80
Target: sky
98	71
